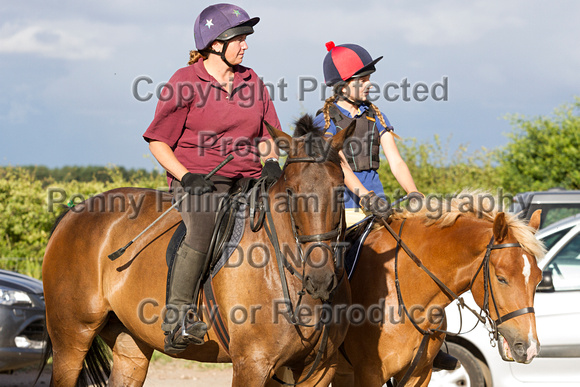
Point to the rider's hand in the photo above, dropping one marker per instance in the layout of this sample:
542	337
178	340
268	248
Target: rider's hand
416	199
196	184
272	171
371	203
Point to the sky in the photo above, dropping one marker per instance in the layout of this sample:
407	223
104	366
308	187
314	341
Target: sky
68	69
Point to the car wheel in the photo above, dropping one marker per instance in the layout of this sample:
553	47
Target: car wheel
471	372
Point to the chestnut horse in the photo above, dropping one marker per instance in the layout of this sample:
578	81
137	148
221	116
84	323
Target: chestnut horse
454	245
88	295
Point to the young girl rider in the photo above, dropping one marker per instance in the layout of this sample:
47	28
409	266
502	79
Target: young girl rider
210	109
347	68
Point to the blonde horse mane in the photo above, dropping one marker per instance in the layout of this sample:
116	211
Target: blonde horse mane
440	212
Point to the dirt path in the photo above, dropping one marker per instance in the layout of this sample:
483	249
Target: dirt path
174	373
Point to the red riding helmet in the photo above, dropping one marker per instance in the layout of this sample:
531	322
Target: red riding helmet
345	62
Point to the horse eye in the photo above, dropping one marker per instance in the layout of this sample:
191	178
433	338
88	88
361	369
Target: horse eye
502	280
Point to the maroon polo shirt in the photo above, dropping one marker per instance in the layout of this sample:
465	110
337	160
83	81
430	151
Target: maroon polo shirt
197	118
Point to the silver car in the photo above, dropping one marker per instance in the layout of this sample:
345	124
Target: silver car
22	317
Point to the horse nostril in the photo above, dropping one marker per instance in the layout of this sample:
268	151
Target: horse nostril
519	349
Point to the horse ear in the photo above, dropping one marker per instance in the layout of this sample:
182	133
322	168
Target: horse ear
535	220
500	227
338	139
281	139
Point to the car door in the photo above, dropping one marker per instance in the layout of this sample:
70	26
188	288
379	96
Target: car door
557	319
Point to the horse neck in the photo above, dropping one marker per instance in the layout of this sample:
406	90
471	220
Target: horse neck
453	254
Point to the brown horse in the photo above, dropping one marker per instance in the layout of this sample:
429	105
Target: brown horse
88	295
454	247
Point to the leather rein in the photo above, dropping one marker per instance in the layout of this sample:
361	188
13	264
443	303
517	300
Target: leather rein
484	314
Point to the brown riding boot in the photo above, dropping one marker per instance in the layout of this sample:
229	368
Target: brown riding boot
181	324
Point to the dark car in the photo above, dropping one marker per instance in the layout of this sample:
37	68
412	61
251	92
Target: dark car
22	317
556	204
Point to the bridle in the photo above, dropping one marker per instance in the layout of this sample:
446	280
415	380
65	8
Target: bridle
488	290
282	262
482	316
318	240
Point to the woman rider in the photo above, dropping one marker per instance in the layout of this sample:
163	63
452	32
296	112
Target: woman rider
208	110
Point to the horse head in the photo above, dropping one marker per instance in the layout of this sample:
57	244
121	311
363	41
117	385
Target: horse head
312	184
508	286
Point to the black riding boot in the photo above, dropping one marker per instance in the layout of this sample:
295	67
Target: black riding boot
181	324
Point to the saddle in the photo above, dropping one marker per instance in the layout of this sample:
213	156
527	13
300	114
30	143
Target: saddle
227	231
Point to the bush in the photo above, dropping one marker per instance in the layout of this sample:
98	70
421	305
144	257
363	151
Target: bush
26	218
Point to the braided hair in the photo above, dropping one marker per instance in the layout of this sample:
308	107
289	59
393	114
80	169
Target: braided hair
337	89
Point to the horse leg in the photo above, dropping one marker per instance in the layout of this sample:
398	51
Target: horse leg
251	371
344	376
421	378
70	346
321	377
368	377
130	355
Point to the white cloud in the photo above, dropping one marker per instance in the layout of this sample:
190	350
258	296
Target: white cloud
55	39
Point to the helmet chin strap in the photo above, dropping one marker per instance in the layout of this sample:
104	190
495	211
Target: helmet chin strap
222	54
356	103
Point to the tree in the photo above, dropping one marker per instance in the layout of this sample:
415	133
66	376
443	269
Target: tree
543	152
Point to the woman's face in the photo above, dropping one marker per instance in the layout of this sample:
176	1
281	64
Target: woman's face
235	50
357	89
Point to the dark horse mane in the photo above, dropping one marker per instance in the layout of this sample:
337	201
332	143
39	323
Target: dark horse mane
316	144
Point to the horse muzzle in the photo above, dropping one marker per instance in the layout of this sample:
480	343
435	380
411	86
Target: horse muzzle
321	285
520	351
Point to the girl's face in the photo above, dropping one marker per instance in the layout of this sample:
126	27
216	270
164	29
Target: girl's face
357	89
236	48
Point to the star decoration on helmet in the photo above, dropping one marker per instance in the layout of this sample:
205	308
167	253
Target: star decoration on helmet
236	12
209	23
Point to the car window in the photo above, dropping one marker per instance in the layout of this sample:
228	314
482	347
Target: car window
552	239
565	266
551	213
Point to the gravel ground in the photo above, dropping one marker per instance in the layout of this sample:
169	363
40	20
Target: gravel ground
174	373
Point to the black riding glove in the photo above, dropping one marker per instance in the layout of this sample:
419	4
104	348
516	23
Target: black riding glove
196	184
271	171
371	203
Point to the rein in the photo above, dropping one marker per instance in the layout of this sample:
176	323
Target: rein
282	262
482	316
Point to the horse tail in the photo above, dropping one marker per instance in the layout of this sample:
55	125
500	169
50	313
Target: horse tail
57	221
96	368
46	355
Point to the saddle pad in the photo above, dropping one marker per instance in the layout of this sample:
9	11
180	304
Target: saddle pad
356	236
230	246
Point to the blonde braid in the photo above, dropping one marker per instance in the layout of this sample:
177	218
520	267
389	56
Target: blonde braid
194	56
382	120
327	104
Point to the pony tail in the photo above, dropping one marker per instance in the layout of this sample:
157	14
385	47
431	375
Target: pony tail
382	120
327	103
194	56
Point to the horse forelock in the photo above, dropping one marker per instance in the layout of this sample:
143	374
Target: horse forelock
478	204
315	143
